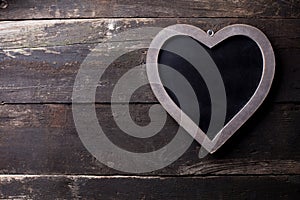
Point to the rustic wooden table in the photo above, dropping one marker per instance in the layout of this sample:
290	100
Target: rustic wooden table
42	44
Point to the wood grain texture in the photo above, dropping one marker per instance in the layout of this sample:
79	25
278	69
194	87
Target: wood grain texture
43	43
40	59
37	9
47	75
283	33
92	187
42	139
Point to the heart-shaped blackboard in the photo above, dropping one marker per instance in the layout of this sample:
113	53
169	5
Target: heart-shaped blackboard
230	72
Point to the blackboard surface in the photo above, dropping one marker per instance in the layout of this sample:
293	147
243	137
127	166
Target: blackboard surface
239	62
43	43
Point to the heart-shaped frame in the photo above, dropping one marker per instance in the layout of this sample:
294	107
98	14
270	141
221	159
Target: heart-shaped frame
210	40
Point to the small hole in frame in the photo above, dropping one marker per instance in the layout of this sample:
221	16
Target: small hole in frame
3	4
210	33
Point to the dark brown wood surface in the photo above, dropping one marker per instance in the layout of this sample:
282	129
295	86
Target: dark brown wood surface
119	187
43	43
45	142
39	9
33	50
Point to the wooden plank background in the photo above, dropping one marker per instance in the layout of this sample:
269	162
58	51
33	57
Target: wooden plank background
42	45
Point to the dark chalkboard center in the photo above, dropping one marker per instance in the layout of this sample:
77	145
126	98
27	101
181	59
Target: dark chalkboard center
239	61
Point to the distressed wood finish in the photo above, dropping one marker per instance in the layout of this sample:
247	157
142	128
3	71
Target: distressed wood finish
37	9
43	43
42	140
283	33
47	75
40	59
119	187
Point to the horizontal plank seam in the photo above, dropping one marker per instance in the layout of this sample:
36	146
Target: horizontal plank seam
109	103
150	17
110	42
79	44
162	18
70	103
22	176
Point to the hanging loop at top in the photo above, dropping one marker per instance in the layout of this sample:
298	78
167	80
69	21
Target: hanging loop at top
3	4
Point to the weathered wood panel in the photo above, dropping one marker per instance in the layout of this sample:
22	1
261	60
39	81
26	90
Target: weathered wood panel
43	74
47	75
283	33
41	139
37	9
39	60
91	187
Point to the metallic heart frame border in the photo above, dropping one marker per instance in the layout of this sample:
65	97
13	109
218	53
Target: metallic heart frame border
210	41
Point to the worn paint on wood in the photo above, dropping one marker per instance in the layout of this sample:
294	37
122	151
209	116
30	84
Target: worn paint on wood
123	187
37	9
43	43
44	71
42	140
283	33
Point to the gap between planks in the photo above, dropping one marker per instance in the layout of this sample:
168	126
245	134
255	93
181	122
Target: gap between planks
24	176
